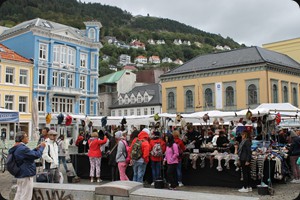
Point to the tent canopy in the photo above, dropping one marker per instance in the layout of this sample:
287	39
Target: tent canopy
9	116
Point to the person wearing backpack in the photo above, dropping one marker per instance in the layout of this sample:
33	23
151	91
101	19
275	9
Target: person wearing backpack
139	155
181	149
24	157
122	155
157	150
171	158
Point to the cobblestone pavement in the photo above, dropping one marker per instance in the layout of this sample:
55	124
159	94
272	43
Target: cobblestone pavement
287	191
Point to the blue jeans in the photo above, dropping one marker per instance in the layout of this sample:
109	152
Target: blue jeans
156	166
63	160
179	172
139	169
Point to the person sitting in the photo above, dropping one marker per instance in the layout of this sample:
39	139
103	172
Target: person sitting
222	140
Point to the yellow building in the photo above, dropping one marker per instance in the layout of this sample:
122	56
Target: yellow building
231	80
15	90
289	47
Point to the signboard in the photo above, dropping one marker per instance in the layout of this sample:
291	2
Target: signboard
9	117
219	96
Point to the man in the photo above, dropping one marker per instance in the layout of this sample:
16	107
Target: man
139	165
192	138
50	157
294	155
44	135
25	159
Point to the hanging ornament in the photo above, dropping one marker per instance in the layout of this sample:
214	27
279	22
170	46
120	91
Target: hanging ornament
68	120
248	114
278	118
156	117
205	118
48	118
104	121
178	118
123	121
60	118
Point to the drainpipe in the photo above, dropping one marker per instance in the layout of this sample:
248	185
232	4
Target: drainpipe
267	84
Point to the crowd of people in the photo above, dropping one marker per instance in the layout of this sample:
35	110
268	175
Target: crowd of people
162	150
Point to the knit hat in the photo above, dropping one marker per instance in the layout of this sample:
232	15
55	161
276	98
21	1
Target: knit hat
146	130
118	134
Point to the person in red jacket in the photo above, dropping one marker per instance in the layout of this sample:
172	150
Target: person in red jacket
157	149
139	165
95	155
182	148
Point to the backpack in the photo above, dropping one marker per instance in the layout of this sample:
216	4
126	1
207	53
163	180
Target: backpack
156	150
136	152
12	165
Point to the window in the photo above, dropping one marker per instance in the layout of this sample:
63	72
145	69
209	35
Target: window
93	57
23	76
119	112
171	100
92	108
70	81
151	111
113	113
62	105
126	100
208	97
71	56
131	112
92	33
43	51
295	97
82	83
125	113
146	98
22	104
9	102
189	101
145	111
275	93
63	59
63	79
139	99
229	96
252	94
82	106
285	95
55	78
9	76
101	105
41	103
92	84
56	54
138	111
42	77
132	100
83	59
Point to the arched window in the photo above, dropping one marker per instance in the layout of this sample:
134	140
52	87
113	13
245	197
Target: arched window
252	94
189	99
229	96
285	95
171	100
208	97
295	97
275	93
92	33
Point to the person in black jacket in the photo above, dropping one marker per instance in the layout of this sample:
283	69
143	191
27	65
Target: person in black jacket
222	140
25	160
294	155
245	154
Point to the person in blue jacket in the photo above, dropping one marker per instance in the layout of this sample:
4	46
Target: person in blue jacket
25	160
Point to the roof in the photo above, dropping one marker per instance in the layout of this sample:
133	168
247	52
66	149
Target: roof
237	57
129	67
46	25
153	90
8	54
111	78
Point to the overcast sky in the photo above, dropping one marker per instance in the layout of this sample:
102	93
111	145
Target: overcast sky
251	22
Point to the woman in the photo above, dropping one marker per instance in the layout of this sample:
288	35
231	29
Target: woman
122	154
62	152
244	153
181	146
112	152
171	158
157	149
95	155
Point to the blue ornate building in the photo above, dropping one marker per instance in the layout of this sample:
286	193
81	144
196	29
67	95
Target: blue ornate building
66	59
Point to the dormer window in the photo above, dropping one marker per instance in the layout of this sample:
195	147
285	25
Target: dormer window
92	33
146	98
139	100
120	101
126	100
132	100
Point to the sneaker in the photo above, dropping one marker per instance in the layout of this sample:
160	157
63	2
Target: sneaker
243	190
99	180
249	189
92	180
180	184
294	181
152	184
297	181
170	188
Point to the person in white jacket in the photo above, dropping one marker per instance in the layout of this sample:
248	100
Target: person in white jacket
50	157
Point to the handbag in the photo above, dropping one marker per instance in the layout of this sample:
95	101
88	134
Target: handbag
42	177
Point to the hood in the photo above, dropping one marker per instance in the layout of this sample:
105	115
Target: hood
143	135
14	148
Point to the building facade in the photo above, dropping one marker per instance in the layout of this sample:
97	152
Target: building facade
16	90
289	47
231	80
65	76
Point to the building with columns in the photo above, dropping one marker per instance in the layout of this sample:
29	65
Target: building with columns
65	73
